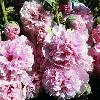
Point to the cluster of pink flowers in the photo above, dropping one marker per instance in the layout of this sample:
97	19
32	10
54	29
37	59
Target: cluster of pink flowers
60	54
56	57
17	81
36	22
78	9
65	51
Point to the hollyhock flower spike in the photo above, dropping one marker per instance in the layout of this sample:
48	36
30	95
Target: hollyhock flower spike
11	29
36	22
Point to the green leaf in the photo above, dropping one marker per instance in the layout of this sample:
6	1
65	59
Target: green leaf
49	2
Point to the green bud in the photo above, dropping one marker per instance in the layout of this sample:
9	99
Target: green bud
69	20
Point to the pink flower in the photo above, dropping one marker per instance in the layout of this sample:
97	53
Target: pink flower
64	83
16	54
34	16
81	9
11	90
65	47
30	83
96	34
12	30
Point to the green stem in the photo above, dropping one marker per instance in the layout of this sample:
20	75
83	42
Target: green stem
4	11
56	11
57	15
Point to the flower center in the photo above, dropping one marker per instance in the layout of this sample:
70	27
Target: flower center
10	57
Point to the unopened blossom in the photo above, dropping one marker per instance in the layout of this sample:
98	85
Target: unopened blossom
66	7
11	90
96	34
76	21
64	84
16	54
65	47
11	29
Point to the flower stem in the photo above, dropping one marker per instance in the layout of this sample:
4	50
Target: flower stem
56	11
4	11
57	15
